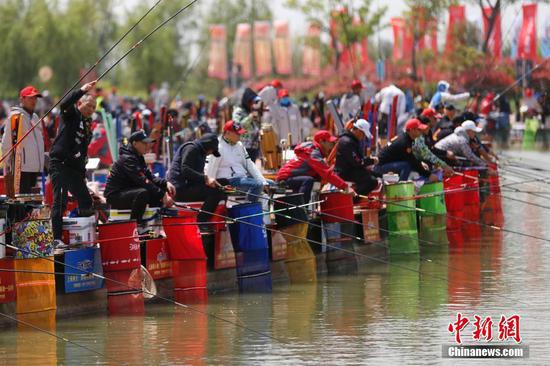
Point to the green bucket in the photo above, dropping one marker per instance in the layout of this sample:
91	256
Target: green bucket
403	242
435	204
402	221
397	192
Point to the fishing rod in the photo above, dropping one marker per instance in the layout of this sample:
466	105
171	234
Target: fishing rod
17	143
131	288
518	80
352	252
138	43
64	339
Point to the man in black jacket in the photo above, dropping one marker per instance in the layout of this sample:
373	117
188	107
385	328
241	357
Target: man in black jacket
131	185
69	155
398	156
187	175
351	163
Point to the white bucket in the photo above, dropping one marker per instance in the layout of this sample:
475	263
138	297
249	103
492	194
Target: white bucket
2	238
81	229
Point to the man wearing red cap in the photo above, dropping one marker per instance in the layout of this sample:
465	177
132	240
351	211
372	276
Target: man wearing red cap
26	162
285	118
309	166
234	166
351	103
398	156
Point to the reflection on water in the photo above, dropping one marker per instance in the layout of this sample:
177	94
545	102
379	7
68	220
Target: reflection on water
382	312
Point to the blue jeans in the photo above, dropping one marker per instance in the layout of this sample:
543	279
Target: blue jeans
400	167
252	186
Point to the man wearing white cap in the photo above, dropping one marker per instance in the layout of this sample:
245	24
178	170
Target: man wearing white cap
351	162
459	142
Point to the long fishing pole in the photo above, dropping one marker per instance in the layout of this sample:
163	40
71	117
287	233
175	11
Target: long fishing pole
17	143
64	339
131	288
518	80
352	252
138	43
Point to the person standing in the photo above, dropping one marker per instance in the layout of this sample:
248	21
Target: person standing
26	162
286	120
249	116
69	155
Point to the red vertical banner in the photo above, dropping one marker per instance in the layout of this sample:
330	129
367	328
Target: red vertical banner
311	63
495	41
217	65
281	48
457	16
262	48
398	27
527	42
242	50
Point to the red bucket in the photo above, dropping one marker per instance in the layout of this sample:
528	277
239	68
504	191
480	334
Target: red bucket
339	207
471	189
472	212
123	281
217	218
123	253
183	236
189	274
454	201
157	260
126	304
455	220
494	180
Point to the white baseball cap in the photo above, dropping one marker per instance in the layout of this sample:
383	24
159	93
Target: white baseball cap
364	126
471	125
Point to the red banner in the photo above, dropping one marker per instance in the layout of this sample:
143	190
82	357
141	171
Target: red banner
402	39
457	18
241	50
281	48
527	42
217	65
495	41
262	48
311	63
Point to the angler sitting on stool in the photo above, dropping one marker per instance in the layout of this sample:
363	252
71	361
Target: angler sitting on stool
398	156
309	166
234	164
131	185
351	163
187	175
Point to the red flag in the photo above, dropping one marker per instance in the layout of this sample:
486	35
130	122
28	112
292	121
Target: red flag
527	42
495	41
402	39
456	19
262	48
311	63
217	66
241	50
281	48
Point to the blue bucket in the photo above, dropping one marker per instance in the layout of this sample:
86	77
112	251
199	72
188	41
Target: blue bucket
248	234
252	262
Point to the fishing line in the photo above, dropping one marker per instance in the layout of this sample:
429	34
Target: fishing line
353	252
81	272
79	81
64	339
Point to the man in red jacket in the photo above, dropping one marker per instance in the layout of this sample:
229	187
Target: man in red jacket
309	166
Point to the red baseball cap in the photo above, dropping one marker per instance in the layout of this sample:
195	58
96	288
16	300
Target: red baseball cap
430	112
283	93
29	91
415	123
234	127
324	135
276	83
356	84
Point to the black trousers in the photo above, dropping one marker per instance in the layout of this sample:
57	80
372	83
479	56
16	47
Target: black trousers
364	181
301	184
135	199
64	180
201	192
